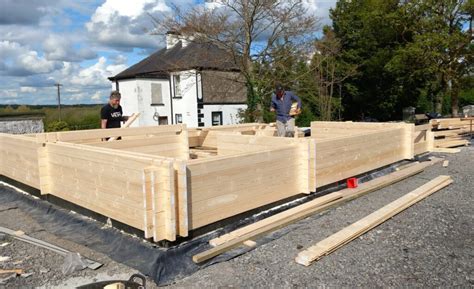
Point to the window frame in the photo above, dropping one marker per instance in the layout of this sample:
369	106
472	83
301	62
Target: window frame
221	118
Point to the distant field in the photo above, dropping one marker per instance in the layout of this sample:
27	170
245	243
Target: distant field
73	117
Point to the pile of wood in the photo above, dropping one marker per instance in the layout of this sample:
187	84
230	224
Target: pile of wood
451	132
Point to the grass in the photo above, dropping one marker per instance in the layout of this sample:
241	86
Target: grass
73	117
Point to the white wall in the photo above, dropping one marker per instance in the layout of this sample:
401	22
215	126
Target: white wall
136	97
229	113
187	105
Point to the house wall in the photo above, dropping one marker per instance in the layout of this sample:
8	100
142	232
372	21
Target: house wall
187	104
136	97
229	113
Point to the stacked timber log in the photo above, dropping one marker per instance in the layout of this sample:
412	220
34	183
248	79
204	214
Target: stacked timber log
169	180
451	132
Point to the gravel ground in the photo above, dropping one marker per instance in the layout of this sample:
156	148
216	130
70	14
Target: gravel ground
427	245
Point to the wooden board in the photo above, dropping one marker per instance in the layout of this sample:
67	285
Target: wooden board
95	135
446	150
225	186
423	139
358	228
208	135
341	158
19	159
129	121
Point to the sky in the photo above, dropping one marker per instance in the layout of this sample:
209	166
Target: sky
79	44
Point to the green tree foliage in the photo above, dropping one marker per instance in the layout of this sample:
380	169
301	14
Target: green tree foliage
369	32
329	73
57	126
411	53
440	52
466	96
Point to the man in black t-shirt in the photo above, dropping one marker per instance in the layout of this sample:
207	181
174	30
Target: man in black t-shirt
111	114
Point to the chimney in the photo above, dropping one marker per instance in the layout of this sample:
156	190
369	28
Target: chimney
172	37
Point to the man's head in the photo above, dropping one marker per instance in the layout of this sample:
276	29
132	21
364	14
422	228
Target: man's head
279	90
114	99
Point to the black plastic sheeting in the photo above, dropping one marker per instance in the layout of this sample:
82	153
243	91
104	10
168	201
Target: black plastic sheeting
163	265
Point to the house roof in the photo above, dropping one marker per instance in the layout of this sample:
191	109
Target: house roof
202	56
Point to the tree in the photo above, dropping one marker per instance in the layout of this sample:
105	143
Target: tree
442	41
250	30
407	51
369	32
329	72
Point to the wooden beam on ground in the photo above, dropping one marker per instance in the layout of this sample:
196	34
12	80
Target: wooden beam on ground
446	150
252	231
369	222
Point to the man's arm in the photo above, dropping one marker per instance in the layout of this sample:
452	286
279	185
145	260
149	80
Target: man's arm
273	104
103	123
295	97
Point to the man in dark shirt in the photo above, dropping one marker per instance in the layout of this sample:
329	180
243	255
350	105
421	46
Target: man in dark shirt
111	114
281	103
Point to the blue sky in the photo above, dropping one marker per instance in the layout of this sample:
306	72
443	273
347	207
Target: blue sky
80	43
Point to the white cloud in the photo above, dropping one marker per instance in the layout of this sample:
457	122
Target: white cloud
124	24
21	61
97	96
24	12
58	47
97	74
28	89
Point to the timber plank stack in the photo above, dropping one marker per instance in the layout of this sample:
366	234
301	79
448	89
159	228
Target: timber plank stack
169	180
450	132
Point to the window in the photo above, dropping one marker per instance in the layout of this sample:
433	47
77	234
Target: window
163	120
156	95
217	118
177	86
178	118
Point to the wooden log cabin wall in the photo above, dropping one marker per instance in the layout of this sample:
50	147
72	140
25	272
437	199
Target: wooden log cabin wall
148	180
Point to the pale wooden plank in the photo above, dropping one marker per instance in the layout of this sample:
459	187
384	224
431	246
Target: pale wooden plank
129	121
351	232
98	134
251	180
446	150
44	171
181	187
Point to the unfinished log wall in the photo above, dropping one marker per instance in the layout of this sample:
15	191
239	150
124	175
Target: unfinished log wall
147	181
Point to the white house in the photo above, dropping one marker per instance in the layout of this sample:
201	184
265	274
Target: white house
187	82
